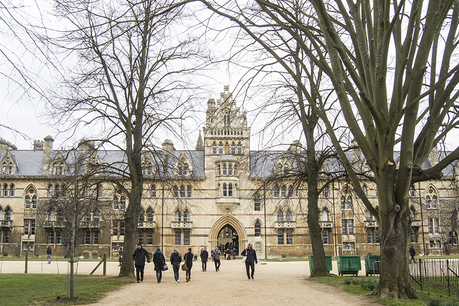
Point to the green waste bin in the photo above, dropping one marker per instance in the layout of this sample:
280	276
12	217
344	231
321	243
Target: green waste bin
372	264
328	262
349	264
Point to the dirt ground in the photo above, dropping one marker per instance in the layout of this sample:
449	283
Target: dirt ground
275	283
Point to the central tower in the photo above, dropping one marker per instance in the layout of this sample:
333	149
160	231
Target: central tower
227	149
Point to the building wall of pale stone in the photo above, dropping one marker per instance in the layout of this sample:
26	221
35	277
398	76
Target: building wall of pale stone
212	215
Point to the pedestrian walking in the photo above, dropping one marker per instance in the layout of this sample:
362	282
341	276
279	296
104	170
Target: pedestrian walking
412	252
139	261
176	259
189	264
120	256
49	252
159	261
250	261
216	258
204	258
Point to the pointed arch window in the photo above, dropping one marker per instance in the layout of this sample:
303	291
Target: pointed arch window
412	213
288	215
178	216
431	199
88	216
349	202
325	215
27	202
186	216
233	148
150	215
141	215
224	169
276	191
153	191
225	190
239	148
214	148
283	191
327	192
230	169
182	191
175	191
12	189
189	191
280	216
5	190
343	203
230	190
258	228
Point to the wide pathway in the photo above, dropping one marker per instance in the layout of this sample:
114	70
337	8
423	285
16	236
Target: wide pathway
275	283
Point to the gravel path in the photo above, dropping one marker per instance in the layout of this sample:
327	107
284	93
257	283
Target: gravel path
275	283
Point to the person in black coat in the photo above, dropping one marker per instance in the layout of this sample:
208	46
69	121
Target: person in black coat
159	261
189	264
204	258
139	261
176	259
250	261
412	253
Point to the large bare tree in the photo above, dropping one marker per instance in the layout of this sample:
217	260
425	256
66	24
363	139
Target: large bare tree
129	83
392	67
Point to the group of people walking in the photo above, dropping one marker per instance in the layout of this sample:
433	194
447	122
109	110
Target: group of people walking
141	255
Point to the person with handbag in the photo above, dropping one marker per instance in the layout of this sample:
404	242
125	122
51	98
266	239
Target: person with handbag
160	262
176	259
204	258
189	264
250	260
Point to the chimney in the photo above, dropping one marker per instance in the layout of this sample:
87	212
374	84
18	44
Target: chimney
38	145
85	146
168	147
48	155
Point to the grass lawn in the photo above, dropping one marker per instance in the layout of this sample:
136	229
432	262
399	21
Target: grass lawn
352	285
43	288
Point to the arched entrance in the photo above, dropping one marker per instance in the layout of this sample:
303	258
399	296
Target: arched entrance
228	224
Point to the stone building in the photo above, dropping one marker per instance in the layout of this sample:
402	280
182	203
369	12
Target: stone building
218	194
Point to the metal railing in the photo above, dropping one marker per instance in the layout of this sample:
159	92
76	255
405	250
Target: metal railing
439	276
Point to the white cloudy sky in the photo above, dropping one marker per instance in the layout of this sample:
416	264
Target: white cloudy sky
21	109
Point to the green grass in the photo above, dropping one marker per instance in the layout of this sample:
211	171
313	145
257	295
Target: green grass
353	285
42	288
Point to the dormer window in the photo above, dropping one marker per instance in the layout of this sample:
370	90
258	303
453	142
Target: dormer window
226	120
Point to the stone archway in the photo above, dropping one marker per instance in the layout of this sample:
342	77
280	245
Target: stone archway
228	220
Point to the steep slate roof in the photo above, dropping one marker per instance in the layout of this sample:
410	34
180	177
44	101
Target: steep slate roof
30	162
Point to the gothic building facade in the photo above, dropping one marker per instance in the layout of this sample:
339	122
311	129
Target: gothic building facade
219	193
